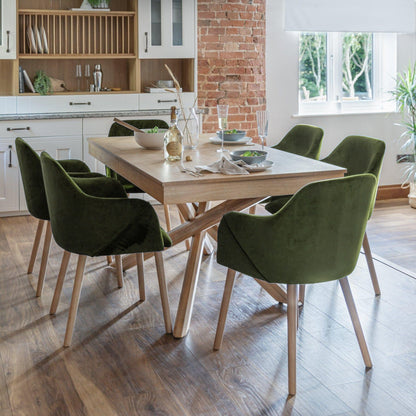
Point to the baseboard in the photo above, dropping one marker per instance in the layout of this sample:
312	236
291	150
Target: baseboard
391	192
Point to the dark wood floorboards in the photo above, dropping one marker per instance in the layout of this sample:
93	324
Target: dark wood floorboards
121	363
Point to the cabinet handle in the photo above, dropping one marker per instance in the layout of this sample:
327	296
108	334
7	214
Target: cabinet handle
146	48
87	103
167	101
8	41
10	156
17	128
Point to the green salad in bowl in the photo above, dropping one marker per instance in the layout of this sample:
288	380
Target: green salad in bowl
249	156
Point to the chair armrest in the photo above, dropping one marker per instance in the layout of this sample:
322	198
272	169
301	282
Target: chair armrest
74	165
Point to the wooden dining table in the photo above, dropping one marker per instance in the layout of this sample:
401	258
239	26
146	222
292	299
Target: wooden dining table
194	195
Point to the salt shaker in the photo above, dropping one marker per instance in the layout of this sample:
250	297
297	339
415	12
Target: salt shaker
98	78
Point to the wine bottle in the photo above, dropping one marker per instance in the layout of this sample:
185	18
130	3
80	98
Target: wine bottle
173	139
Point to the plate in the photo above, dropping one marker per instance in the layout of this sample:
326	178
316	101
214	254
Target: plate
244	140
38	39
31	40
267	164
44	40
28	82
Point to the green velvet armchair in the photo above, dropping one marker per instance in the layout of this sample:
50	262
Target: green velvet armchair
96	226
31	172
358	154
316	237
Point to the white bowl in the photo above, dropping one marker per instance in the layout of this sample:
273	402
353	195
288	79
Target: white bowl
150	140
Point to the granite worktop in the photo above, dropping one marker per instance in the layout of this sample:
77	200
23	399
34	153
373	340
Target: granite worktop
92	114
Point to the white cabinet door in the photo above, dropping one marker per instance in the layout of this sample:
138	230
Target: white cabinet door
167	29
63	147
9	177
7	29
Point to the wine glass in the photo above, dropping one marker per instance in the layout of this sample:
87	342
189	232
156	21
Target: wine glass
262	125
78	75
222	111
87	75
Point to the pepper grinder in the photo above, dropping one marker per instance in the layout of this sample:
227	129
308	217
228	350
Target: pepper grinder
98	78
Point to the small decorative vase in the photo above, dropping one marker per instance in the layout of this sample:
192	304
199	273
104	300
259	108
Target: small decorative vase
188	124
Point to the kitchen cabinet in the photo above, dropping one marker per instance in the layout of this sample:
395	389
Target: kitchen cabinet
7	29
9	176
166	29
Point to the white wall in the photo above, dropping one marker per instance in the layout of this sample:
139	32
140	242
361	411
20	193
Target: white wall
282	95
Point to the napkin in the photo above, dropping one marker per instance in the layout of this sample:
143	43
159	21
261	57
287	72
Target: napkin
224	166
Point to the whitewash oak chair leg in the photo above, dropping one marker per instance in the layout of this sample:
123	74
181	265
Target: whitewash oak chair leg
160	268
35	248
346	290
252	210
44	262
60	282
228	290
167	217
119	271
109	260
302	289
140	275
73	309
370	264
292	311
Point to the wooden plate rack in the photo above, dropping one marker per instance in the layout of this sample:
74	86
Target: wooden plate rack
76	34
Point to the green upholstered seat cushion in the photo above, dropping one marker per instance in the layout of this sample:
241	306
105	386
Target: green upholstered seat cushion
357	154
303	140
118	130
314	238
32	178
95	226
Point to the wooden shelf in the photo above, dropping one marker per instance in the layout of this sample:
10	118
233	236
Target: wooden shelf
76	33
92	56
31	94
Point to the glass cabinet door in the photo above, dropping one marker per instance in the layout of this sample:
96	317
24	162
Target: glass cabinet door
177	35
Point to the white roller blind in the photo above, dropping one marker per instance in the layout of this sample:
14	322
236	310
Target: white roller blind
389	16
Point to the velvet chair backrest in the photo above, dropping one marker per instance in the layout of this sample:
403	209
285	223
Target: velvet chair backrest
31	171
315	237
95	226
303	140
359	154
119	130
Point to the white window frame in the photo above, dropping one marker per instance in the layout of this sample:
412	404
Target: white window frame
384	72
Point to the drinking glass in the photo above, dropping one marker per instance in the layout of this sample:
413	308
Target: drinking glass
262	125
87	75
78	75
222	111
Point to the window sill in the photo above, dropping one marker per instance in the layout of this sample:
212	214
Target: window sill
344	113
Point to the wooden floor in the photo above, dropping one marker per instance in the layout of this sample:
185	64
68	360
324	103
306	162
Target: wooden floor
122	364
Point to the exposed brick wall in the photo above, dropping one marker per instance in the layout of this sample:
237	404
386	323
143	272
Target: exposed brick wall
231	61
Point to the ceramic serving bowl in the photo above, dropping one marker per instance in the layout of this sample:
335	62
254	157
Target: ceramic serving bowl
150	140
250	160
231	137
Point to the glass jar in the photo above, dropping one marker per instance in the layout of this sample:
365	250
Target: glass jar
188	124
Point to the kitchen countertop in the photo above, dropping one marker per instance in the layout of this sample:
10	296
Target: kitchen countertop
95	114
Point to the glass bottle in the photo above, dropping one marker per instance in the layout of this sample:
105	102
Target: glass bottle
173	140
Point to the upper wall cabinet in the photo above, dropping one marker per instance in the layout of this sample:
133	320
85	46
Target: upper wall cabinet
166	29
7	29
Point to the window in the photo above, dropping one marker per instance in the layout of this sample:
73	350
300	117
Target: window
346	72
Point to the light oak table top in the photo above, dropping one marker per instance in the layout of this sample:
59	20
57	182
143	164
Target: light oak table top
165	182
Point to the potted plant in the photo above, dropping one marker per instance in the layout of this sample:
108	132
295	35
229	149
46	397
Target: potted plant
99	4
42	83
405	96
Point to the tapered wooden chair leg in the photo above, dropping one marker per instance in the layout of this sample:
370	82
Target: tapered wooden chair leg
45	256
140	275
73	309
302	289
346	290
119	271
109	259
60	282
370	264
292	307
35	248
252	210
167	217
228	290
160	268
